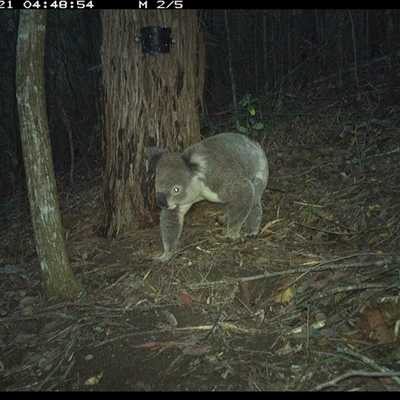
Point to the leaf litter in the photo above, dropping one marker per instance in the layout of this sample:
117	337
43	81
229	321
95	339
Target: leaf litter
313	303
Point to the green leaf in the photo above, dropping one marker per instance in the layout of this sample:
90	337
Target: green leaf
258	126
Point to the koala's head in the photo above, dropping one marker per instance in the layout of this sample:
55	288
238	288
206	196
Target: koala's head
179	177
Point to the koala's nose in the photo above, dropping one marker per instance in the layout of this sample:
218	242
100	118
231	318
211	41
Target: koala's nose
161	200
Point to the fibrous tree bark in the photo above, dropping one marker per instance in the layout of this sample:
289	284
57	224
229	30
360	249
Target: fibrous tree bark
58	279
149	99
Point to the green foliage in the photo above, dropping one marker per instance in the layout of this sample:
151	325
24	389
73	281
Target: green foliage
253	122
249	115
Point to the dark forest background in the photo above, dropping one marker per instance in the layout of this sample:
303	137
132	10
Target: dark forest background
255	60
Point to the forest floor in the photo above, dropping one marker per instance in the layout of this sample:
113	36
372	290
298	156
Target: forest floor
313	303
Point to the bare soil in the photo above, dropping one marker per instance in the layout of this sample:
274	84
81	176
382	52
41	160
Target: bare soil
313	303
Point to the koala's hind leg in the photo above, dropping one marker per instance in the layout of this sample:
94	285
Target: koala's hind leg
238	207
253	221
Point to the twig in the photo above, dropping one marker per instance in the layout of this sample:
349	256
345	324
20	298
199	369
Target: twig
350	374
352	288
369	362
56	368
326	265
68	370
331	232
191	245
224	325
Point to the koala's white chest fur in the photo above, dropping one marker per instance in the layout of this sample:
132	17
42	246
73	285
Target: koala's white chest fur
208	194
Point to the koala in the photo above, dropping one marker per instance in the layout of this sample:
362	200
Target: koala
226	168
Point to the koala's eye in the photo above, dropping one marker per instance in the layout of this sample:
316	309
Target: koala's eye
176	190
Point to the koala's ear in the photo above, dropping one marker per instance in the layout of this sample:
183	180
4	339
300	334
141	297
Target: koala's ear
197	160
153	154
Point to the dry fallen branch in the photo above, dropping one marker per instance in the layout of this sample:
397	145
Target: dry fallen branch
223	325
324	266
369	362
351	374
330	232
351	288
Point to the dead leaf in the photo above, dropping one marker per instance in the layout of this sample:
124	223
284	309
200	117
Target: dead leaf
198	298
186	300
378	327
376	239
94	380
372	208
288	349
286	295
171	318
338	297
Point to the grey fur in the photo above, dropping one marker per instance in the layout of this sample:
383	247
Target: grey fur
227	168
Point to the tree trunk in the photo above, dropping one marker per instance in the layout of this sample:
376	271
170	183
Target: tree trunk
230	68
58	279
340	52
148	100
392	49
265	69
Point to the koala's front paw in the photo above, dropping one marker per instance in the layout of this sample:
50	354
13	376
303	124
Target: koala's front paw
232	235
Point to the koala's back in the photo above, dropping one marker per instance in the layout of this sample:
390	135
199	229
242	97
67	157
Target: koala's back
233	154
